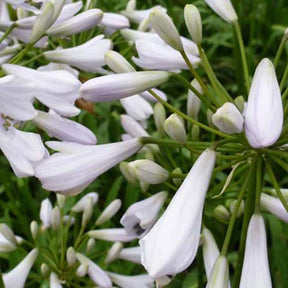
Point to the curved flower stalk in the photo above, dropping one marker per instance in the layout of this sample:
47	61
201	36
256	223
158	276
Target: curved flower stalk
56	89
141	216
255	270
180	223
78	165
139	281
22	149
64	129
161	57
117	86
264	113
16	278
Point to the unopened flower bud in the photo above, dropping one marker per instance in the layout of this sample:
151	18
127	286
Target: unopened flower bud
177	181
149	155
174	127
109	212
81	204
88	211
44	269
193	22
90	244
193	102
228	119
209	115
149	172
70	256
195	132
222	213
163	25
131	5
219	276
56	218
117	63
82	270
240	103
60	200
8	234
240	210
159	117
144	186
127	173
113	252
34	229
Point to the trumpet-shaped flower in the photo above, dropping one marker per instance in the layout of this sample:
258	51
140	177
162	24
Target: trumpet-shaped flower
141	216
264	113
78	165
255	270
112	87
16	278
56	89
172	243
224	9
160	57
64	129
87	57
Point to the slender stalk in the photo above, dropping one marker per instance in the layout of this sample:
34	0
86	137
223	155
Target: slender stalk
258	184
276	185
235	212
203	126
21	54
279	51
220	90
243	55
284	77
7	32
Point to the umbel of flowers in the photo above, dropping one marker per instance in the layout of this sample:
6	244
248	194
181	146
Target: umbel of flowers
214	168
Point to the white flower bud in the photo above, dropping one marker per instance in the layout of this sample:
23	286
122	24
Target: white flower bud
193	102
240	210
34	229
174	127
44	269
113	252
127	172
228	119
195	132
70	256
148	171
222	213
90	244
219	277
131	5
46	212
163	25
7	233
109	212
81	204
193	22
82	270
54	281
55	218
60	200
88	211
177	181
159	117
117	63
240	103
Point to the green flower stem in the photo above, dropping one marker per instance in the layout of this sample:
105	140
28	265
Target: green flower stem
284	96
243	55
195	91
196	75
284	78
249	210
276	185
280	162
259	180
220	90
21	54
203	126
232	221
7	32
279	51
33	59
177	175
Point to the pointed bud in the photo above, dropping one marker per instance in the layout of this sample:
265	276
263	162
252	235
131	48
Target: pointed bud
90	244
228	119
193	22
82	203
174	127
193	102
34	229
163	25
127	172
88	211
70	256
219	277
44	269
177	181
46	213
117	63
224	9
240	210
195	133
109	212
240	103
54	281
159	117
8	234
149	172
132	254
113	252
82	270
56	218
222	213
111	235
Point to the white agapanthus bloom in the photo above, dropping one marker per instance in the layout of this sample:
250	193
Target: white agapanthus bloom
57	90
78	165
113	22
46	213
54	281
139	281
264	112
193	102
172	243
109	212
111	235
64	129
87	57
82	203
16	278
255	270
132	254
160	57
141	216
